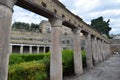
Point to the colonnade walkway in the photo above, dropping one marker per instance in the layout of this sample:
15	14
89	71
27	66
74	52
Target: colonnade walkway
108	70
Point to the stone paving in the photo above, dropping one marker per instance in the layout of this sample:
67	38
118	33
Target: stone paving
108	70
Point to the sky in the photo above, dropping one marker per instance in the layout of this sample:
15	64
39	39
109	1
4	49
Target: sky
86	9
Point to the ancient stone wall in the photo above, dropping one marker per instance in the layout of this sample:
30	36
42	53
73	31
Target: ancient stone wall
29	38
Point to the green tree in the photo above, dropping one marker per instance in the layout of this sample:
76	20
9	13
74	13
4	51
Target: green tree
21	25
101	25
25	26
34	27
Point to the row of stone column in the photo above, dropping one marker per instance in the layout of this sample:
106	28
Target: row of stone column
97	50
6	7
56	54
39	49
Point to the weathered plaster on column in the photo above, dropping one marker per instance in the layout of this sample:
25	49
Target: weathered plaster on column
5	27
89	61
56	54
95	56
77	52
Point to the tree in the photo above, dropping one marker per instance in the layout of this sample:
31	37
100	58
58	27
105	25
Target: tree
101	25
21	25
26	26
34	26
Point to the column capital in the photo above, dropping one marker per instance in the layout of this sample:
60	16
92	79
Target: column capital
55	22
89	35
76	30
8	3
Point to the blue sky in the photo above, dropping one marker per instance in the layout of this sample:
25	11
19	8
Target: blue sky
86	9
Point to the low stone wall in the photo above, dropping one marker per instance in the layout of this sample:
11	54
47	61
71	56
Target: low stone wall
18	37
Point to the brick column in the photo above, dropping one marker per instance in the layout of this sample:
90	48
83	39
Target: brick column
56	54
77	52
5	27
89	61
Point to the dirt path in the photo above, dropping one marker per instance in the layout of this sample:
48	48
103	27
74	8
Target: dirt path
108	70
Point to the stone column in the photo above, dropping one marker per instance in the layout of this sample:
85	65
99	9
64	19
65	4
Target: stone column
21	49
95	55
77	52
11	47
30	49
103	50
5	27
89	61
44	48
38	50
98	49
100	44
109	48
106	50
56	54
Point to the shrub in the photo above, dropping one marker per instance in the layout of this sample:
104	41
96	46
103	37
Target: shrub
32	57
39	67
18	58
15	59
27	71
84	58
67	61
46	61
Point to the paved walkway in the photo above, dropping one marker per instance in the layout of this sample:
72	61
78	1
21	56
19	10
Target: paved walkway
108	70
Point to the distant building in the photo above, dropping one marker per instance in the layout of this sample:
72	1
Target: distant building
34	42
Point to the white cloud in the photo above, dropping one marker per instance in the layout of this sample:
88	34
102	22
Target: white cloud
86	5
22	15
115	31
109	13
